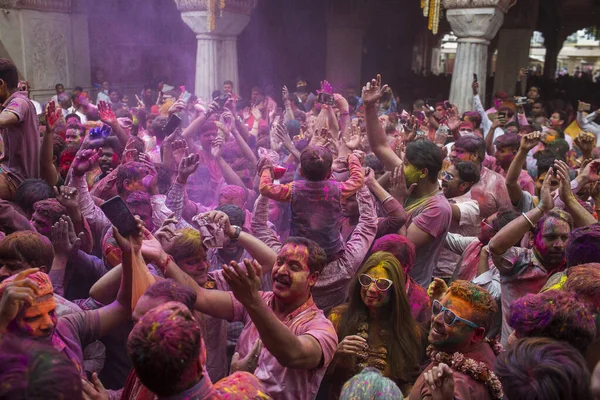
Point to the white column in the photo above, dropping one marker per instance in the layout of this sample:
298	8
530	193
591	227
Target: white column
207	65
228	62
471	58
474	28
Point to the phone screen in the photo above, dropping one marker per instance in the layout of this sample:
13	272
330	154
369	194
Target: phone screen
119	215
172	124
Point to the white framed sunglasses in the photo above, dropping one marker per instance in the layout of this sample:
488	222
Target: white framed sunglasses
381	284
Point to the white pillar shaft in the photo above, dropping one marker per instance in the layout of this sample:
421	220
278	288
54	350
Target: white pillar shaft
228	62
207	66
471	57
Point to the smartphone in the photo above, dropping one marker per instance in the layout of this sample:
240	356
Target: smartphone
584	106
326	98
222	99
172	124
119	215
475	78
502	114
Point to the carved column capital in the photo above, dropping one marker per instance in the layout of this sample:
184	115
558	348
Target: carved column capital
235	6
476	25
503	5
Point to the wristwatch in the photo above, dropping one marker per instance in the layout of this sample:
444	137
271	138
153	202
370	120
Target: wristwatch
238	230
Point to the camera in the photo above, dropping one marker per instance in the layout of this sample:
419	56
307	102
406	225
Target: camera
326	98
222	99
520	101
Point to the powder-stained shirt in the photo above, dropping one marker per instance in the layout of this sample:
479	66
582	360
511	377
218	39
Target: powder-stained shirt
490	192
74	332
469	225
279	381
22	140
465	387
521	272
432	216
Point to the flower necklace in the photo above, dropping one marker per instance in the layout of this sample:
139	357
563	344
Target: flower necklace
372	357
476	370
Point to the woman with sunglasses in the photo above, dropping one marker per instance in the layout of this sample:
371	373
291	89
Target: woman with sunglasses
376	328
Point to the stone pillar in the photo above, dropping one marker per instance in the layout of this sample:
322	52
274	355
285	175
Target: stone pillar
216	56
48	42
553	47
345	32
474	28
513	54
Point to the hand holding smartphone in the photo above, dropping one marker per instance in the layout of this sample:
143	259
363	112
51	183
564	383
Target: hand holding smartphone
119	215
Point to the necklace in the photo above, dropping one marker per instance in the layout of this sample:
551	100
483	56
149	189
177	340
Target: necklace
372	357
476	370
417	202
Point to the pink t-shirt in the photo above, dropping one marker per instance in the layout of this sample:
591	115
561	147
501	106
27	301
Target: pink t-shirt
279	381
432	216
22	140
490	192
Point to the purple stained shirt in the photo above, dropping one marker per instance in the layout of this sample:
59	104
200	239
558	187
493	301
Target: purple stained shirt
279	381
490	192
74	332
432	216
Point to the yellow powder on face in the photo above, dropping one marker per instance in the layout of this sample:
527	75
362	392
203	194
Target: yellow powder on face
412	174
379	272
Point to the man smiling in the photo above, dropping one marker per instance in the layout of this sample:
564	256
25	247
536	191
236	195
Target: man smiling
294	331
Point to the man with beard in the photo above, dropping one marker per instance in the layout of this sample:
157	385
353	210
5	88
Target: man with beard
298	340
19	127
459	323
37	318
525	270
507	147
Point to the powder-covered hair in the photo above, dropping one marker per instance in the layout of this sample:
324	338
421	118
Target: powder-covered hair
172	290
187	243
31	191
164	348
425	154
129	171
482	303
315	163
50	208
236	215
400	247
555	314
233	194
27	246
554	213
583	246
472	144
542	368
584	281
30	370
370	384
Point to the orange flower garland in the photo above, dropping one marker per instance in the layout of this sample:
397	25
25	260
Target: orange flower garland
431	9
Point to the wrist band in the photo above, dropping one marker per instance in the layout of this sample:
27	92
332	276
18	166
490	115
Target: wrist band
539	207
238	230
528	220
387	198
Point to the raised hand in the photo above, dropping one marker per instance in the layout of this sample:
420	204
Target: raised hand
475	87
522	74
285	93
546	199
85	160
106	113
217	147
263	162
398	187
68	197
244	285
64	239
591	171
373	91
94	390
530	140
150	181
341	103
187	166
134	239
177	107
586	143
53	116
437	289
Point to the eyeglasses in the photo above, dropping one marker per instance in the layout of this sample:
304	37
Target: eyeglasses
449	317
381	284
447	176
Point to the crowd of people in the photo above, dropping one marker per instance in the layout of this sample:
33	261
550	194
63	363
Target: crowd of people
305	246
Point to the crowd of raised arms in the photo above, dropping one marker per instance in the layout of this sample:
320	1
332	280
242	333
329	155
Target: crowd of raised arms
305	246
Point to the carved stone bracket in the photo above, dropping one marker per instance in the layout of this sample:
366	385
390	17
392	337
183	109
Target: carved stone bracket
234	6
62	6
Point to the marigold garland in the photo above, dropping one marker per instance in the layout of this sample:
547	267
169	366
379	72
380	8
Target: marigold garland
431	9
212	10
476	370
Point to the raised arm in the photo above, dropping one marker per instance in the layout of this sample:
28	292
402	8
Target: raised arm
580	215
259	226
396	215
291	351
47	169
528	142
517	228
485	120
372	92
189	132
108	117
